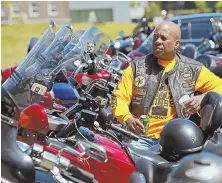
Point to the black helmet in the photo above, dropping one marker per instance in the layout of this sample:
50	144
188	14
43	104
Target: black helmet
202	168
180	136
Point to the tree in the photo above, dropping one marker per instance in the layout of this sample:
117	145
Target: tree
153	9
133	4
201	5
218	6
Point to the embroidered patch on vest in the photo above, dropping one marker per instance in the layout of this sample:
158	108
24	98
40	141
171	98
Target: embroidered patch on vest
140	81
113	102
188	84
139	91
187	74
188	78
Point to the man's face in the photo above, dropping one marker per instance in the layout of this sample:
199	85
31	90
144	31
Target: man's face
163	43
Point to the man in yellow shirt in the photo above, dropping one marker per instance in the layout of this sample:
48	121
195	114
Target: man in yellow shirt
154	84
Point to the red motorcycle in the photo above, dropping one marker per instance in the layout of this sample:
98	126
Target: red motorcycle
35	123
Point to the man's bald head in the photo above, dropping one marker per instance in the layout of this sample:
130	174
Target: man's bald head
173	29
166	40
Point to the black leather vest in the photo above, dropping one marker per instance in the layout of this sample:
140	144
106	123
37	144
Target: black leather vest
148	76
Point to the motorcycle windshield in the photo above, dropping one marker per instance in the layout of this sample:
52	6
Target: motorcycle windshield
147	46
34	75
78	33
119	60
91	36
97	37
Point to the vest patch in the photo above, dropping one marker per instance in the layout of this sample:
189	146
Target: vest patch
187	74
113	102
140	81
188	84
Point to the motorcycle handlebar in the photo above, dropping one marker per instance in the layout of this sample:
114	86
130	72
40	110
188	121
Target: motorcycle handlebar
71	127
72	110
82	65
124	132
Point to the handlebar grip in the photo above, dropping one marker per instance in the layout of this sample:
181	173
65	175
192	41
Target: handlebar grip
81	174
66	130
72	110
124	132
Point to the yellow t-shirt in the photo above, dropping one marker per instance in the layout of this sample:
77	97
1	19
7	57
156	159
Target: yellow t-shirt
163	108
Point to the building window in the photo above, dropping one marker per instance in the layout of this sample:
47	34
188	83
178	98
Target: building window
2	13
52	9
16	8
34	10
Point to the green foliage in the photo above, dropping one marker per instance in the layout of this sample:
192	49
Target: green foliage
193	11
201	6
218	6
6	4
133	4
153	9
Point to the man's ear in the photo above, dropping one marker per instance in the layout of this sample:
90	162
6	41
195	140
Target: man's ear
177	44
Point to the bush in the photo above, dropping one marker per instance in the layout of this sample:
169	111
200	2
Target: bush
201	5
152	10
218	6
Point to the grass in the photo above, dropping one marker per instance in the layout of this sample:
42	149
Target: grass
14	38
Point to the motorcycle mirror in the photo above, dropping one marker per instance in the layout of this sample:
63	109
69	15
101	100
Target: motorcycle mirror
52	24
93	150
121	33
212	44
70	27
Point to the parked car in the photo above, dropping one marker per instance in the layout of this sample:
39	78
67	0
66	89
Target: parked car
194	28
197	26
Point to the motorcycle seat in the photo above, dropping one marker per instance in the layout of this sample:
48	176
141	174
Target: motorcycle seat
155	148
154	171
217	149
215	140
211	109
137	153
209	61
190	51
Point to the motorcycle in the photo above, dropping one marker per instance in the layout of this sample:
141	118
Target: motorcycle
142	30
38	164
104	69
